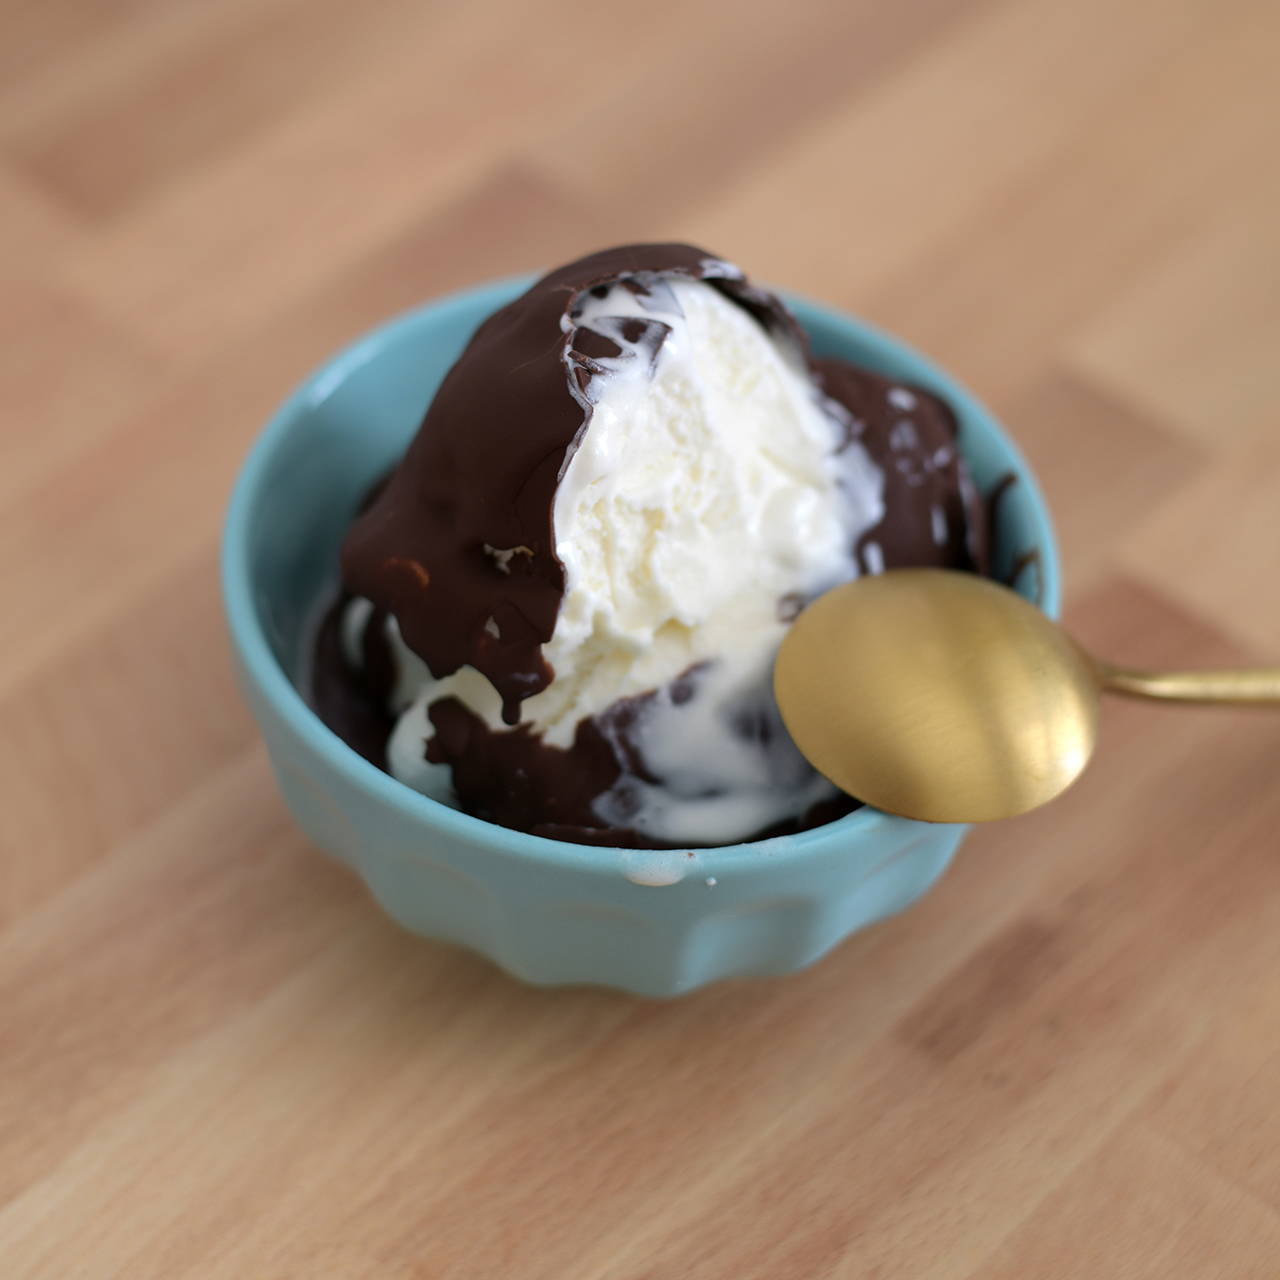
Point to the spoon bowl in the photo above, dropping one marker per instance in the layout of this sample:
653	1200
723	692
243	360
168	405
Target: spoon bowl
938	695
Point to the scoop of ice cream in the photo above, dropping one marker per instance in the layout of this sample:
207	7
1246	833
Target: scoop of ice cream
570	592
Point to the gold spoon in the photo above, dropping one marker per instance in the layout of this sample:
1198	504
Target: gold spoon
947	697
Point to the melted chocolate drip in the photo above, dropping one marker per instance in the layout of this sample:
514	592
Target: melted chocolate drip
352	703
461	534
1026	561
932	513
515	779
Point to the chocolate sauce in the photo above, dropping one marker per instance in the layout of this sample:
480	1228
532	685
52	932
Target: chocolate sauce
1026	561
933	515
353	703
458	545
995	499
1023	564
461	533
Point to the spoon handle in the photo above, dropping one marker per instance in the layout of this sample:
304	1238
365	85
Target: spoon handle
1259	685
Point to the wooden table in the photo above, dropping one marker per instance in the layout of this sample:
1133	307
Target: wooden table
217	1059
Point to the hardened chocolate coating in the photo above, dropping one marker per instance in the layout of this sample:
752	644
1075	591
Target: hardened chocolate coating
461	533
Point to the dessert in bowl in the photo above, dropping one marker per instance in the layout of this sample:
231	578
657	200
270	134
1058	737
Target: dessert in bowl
536	718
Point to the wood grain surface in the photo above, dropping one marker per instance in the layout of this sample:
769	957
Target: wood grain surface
218	1059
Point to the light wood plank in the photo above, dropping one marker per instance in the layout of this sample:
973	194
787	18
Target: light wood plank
1196	340
1101	215
1142	1209
68	376
133	113
950	136
1218	546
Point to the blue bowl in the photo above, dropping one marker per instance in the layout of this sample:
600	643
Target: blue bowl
547	911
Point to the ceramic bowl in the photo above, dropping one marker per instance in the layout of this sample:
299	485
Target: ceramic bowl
657	924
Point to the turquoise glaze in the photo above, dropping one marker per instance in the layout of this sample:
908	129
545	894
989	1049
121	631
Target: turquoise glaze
549	912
